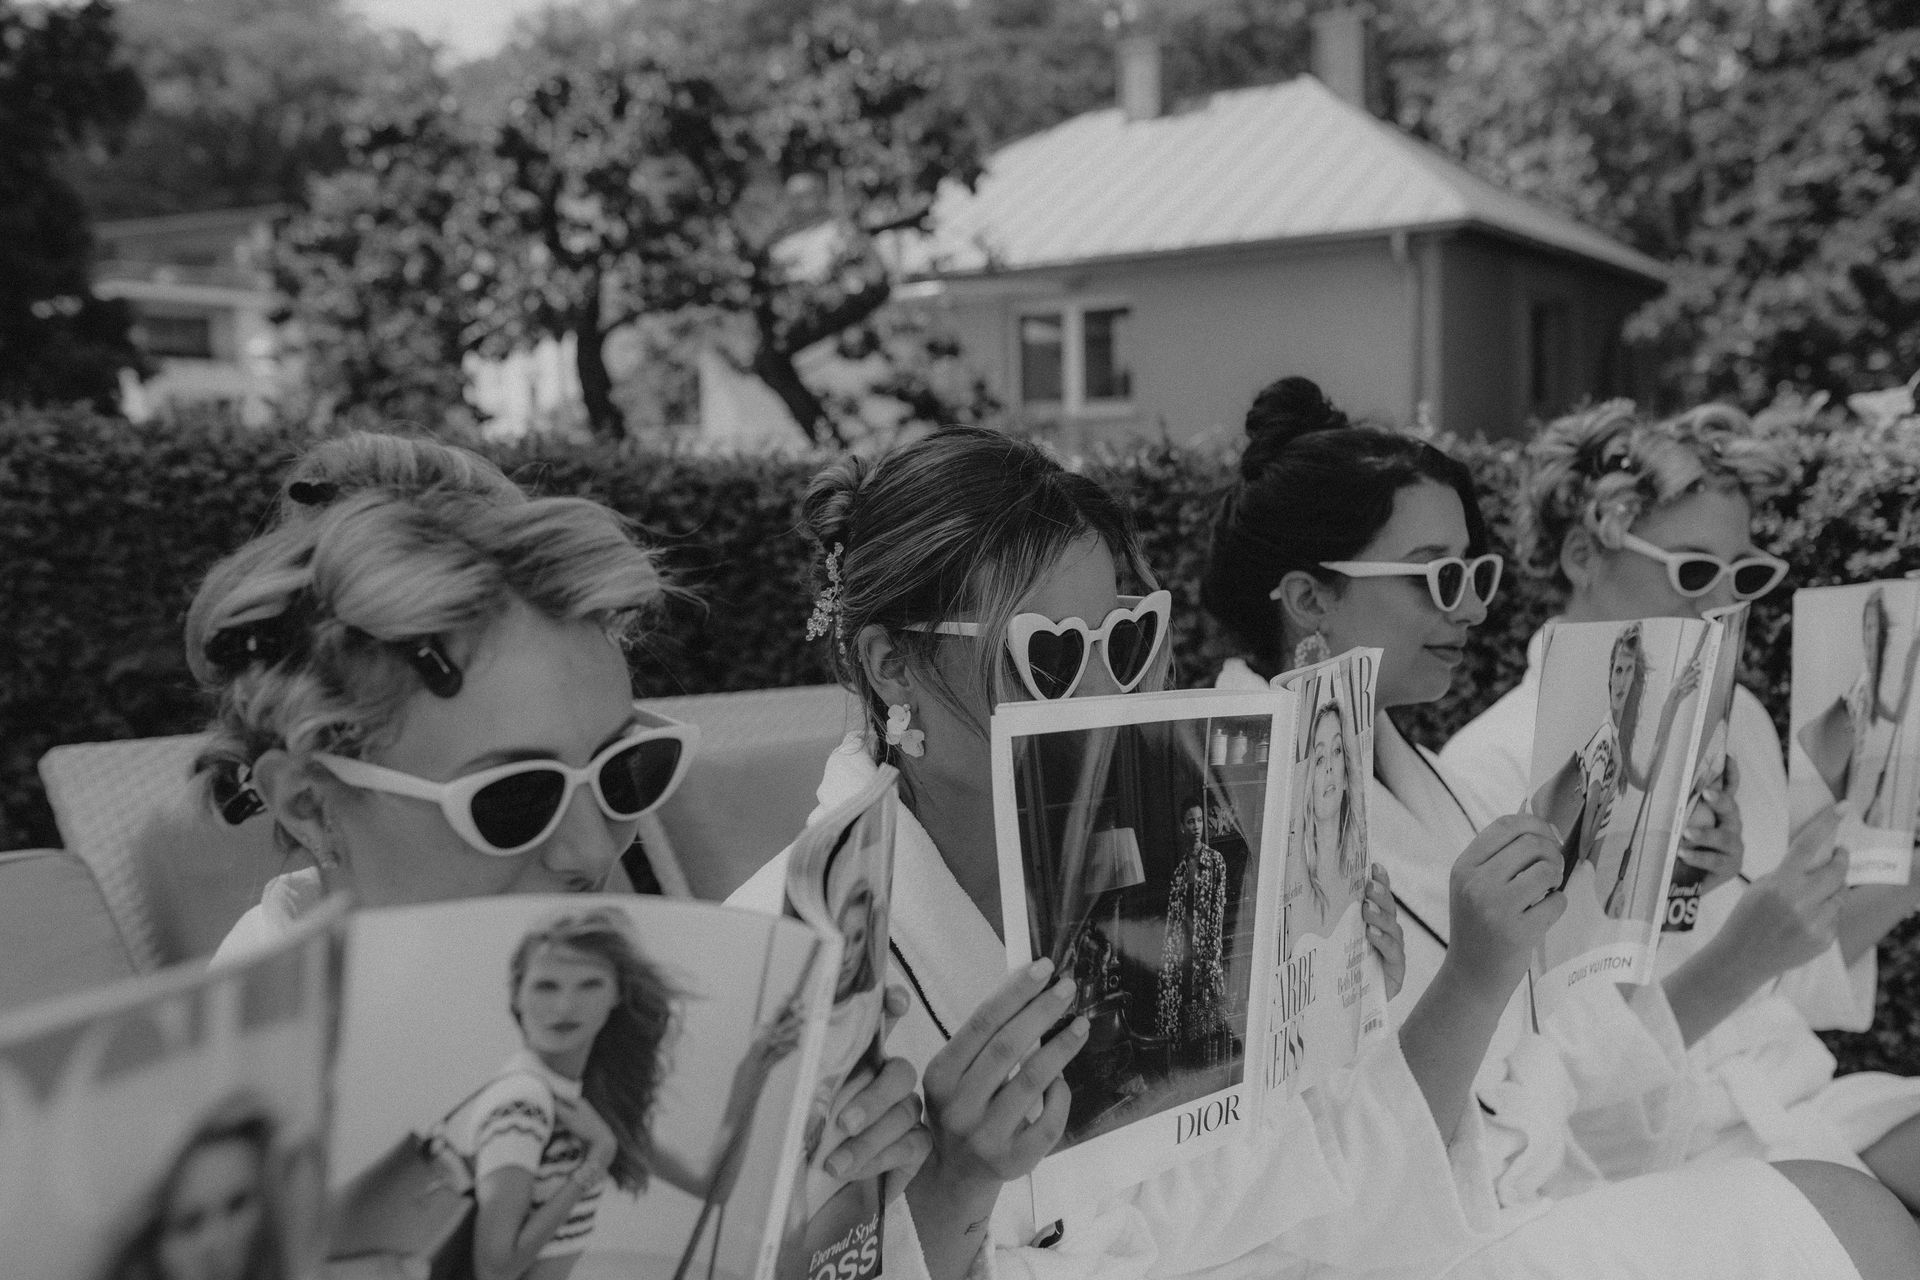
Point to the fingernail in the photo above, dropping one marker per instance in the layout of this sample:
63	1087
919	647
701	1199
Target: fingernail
853	1119
1062	988
1078	1027
1040	968
837	1163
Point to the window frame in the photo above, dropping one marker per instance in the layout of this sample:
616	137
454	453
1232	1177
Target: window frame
1073	402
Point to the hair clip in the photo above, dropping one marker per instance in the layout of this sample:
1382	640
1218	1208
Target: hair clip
263	641
313	493
437	672
826	606
234	795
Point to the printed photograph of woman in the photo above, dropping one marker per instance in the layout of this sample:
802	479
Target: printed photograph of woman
1329	869
214	1214
1193	981
573	1109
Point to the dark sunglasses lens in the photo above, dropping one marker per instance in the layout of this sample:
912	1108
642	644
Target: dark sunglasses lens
1750	580
1697	575
1486	578
514	810
1129	645
1450	579
637	777
1055	661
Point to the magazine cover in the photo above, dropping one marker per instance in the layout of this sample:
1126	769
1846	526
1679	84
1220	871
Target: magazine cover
1682	910
1138	827
1328	990
839	880
173	1127
1614	760
1854	743
574	1086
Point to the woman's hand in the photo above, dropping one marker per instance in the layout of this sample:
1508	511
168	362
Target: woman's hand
1504	894
1792	914
879	1114
578	1115
1713	840
1384	934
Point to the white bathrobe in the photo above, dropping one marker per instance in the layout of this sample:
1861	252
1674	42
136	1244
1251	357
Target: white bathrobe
1766	1083
1350	1180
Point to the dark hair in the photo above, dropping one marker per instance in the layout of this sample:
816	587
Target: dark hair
959	524
240	1121
1313	487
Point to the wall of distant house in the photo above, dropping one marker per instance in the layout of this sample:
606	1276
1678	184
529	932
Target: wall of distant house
1207	332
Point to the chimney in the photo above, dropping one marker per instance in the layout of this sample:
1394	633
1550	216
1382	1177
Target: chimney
1140	76
1343	55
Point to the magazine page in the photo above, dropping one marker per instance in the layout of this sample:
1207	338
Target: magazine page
173	1125
1328	989
1134	835
1854	744
1614	759
840	880
582	1086
1682	910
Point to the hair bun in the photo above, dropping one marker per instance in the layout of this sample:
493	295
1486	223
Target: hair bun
827	510
1282	413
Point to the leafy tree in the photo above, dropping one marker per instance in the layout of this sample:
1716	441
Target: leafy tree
246	99
62	85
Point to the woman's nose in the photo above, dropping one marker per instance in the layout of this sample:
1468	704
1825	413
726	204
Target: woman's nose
1471	610
583	848
1096	679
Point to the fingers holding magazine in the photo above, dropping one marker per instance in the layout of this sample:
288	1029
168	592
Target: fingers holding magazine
1505	895
1714	841
880	1114
1384	933
1792	914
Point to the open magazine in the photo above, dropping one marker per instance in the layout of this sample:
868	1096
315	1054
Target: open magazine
1854	739
173	1125
1141	841
1328	990
840	880
495	1045
1682	910
1615	757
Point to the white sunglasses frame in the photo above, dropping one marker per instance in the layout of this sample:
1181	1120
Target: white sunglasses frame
455	798
1430	570
1025	626
1673	559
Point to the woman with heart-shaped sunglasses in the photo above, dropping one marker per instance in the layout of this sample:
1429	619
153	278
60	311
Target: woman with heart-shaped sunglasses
938	564
1603	1088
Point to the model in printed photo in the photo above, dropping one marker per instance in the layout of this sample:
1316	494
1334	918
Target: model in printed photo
574	1108
1854	744
212	1216
1332	845
1193	976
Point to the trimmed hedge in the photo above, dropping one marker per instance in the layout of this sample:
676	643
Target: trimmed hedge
106	528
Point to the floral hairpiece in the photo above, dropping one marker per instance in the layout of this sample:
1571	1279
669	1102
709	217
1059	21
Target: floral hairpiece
826	606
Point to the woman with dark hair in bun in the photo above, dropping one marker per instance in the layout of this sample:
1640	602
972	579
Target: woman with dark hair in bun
933	562
1339	536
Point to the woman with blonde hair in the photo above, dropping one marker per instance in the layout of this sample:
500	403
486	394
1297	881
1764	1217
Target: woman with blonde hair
419	675
1638	517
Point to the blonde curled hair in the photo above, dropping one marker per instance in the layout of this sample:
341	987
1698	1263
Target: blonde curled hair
312	636
1602	468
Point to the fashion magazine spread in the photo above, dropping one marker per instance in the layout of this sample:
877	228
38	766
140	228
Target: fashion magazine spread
1138	836
173	1127
1682	908
1328	991
1622	705
1855	725
571	1088
839	879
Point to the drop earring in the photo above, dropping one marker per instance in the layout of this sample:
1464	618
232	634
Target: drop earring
1311	650
911	741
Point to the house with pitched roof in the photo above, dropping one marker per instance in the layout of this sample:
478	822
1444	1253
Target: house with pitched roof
1136	270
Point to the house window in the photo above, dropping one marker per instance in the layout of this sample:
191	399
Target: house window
178	337
1549	355
1043	350
1076	358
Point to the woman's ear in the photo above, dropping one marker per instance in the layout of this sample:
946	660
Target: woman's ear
885	664
1305	602
1579	557
295	795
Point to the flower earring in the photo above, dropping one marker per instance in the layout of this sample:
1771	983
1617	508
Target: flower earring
1311	650
911	741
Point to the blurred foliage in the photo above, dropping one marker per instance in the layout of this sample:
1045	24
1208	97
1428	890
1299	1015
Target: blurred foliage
63	87
106	529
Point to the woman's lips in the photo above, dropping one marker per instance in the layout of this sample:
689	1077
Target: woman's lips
1449	653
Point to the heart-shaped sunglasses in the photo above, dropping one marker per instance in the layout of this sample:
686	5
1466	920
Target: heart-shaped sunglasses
1051	656
510	808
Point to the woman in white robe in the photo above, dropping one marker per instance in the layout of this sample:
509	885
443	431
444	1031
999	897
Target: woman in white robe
1323	545
1765	1082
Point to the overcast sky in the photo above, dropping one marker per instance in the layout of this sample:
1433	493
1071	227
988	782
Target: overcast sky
469	28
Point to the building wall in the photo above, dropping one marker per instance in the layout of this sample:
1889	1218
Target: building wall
1208	332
